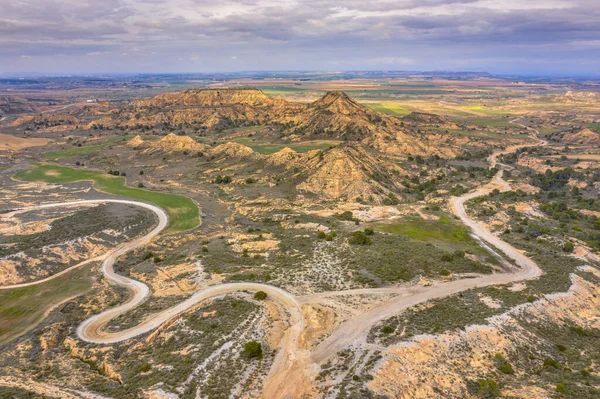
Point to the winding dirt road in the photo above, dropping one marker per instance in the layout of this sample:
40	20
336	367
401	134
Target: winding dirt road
293	365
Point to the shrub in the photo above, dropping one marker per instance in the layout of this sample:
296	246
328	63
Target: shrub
355	378
560	388
260	295
568	247
488	388
387	329
444	272
458	254
157	259
549	362
348	216
140	185
369	232
321	235
447	257
506	368
359	238
252	349
141	172
145	367
249	180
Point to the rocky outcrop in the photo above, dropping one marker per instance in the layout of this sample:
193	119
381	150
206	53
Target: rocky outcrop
346	172
173	143
232	150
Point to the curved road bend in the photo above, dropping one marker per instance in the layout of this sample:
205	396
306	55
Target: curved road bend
356	330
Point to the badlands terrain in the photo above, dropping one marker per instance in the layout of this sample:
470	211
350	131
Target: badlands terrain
380	236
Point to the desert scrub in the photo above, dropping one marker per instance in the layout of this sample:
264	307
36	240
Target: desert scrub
392	258
204	329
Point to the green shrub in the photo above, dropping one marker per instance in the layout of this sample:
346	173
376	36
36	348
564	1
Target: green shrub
387	329
447	257
506	368
568	247
560	388
144	368
359	238
549	362
488	388
369	232
321	235
252	349
260	295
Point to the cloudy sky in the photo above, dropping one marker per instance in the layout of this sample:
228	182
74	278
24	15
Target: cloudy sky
550	37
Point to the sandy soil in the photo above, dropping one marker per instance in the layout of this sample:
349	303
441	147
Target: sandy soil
8	142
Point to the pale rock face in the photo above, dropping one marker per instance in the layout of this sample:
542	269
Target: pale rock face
434	366
173	143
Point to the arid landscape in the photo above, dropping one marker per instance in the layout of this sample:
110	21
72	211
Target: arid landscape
380	236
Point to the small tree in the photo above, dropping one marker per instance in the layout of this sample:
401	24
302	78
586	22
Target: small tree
568	247
359	238
260	295
488	388
252	349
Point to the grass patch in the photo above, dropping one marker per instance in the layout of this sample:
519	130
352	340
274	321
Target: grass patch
444	232
23	308
183	212
388	108
79	151
484	110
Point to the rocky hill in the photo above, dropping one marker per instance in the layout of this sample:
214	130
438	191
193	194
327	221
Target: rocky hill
585	136
334	116
346	172
171	143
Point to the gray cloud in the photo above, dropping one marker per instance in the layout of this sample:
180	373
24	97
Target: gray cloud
199	35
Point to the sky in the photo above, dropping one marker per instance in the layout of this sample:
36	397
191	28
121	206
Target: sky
526	37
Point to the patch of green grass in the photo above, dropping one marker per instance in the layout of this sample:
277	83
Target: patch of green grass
23	308
183	212
484	110
444	232
389	108
79	151
270	148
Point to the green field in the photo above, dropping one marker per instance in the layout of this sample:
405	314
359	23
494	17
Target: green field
78	151
269	148
183	212
23	308
388	108
444	232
